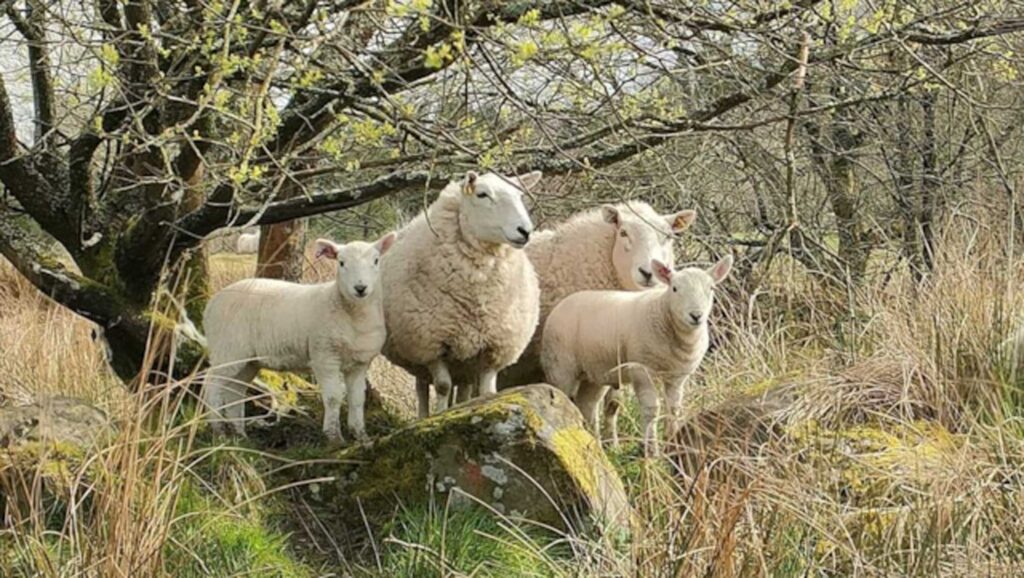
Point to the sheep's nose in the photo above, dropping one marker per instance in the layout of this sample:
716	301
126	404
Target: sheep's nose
360	290
645	274
524	232
696	317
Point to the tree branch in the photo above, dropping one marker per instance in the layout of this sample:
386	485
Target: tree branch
28	255
39	65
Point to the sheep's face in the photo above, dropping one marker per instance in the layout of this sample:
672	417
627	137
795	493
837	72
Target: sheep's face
691	290
492	208
638	240
358	275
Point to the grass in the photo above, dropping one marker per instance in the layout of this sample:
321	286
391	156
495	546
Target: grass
869	433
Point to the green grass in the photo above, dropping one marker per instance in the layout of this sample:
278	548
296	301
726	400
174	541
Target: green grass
431	542
208	540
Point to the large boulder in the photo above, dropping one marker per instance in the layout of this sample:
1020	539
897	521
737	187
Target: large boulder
523	452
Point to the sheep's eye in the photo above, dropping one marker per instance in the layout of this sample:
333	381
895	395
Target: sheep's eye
377	260
341	263
481	195
675	290
623	234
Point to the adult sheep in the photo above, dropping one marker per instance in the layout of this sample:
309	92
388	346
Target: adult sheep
607	248
462	297
596	339
334	329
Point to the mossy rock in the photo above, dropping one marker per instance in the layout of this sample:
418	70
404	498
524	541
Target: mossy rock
523	452
43	446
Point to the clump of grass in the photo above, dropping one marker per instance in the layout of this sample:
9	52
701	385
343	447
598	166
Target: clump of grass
434	541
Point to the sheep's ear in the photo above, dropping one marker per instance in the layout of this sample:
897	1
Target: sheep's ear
662	271
469	183
720	270
681	221
530	180
385	242
326	248
610	214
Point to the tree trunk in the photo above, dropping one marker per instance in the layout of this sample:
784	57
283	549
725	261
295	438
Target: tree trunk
282	245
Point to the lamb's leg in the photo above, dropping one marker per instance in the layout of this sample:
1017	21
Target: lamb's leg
422	397
213	397
227	397
488	381
613	401
673	407
647	395
588	399
442	383
356	381
332	387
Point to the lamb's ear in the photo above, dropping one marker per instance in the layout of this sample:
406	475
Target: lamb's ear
681	221
720	270
326	248
662	271
610	214
469	183
530	180
385	242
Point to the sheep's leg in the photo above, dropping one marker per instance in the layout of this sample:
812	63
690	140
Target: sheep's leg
422	397
214	391
332	388
612	404
673	406
588	399
464	392
488	381
356	382
442	383
225	396
647	395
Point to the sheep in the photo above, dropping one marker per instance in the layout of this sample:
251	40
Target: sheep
248	243
462	298
334	329
606	248
594	339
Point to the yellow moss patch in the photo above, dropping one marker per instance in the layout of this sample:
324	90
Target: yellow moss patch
285	386
578	452
865	460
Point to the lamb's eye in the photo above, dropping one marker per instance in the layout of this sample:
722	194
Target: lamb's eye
377	260
623	234
341	263
481	195
675	290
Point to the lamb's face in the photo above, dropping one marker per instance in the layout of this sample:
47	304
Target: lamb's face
358	275
640	240
492	208
692	290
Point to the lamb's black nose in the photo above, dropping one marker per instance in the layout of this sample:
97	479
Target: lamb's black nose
696	317
646	274
524	233
360	290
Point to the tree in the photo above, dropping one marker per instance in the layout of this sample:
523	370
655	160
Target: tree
157	122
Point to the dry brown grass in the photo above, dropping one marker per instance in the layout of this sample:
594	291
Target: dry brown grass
46	349
877	433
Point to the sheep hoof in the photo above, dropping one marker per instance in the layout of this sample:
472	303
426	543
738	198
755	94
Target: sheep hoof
334	436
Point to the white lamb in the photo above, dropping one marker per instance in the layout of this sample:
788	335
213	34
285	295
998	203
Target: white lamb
596	339
248	243
610	247
334	329
462	297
